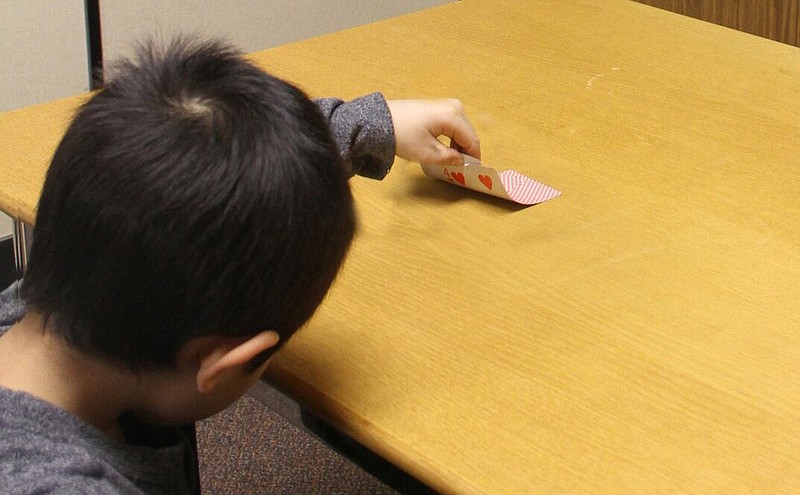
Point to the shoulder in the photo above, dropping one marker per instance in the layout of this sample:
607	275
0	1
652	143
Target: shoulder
11	307
43	451
26	483
46	450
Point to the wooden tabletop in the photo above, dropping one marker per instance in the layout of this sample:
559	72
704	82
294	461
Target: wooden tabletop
638	334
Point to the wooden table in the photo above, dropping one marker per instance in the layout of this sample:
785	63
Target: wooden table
638	334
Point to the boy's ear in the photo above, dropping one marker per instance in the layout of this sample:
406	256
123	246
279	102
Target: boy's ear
218	355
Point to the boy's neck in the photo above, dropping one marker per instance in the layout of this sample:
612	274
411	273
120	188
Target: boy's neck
43	365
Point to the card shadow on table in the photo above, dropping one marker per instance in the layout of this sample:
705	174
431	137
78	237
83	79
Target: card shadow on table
441	192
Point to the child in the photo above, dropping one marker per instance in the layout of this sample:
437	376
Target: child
193	217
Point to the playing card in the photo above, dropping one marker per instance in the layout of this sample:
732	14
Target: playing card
508	184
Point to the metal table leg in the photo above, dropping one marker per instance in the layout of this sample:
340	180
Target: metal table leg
22	237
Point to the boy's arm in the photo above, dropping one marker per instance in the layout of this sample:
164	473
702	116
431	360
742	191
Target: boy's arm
363	131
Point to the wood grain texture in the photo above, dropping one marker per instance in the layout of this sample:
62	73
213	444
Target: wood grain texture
638	334
30	136
722	12
773	19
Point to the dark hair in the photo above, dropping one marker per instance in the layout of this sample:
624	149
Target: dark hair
194	195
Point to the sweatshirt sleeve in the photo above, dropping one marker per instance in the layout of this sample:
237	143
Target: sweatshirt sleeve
364	134
12	309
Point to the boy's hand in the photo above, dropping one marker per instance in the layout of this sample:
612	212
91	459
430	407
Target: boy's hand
418	124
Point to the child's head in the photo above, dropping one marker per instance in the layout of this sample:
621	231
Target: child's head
193	196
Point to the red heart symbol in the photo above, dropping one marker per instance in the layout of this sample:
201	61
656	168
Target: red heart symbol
458	177
486	181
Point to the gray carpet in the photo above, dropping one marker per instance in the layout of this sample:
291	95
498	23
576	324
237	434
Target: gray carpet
250	448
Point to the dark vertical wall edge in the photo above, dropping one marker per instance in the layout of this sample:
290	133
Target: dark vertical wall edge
8	270
94	43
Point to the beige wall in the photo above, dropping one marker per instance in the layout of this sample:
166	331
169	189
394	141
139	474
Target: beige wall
5	227
248	24
42	51
43	42
42	56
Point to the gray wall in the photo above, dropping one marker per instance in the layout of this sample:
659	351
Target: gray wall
42	56
250	24
43	42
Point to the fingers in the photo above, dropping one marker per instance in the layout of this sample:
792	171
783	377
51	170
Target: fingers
419	123
458	128
447	156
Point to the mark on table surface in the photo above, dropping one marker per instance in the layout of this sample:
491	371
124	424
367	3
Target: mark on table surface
590	82
594	77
